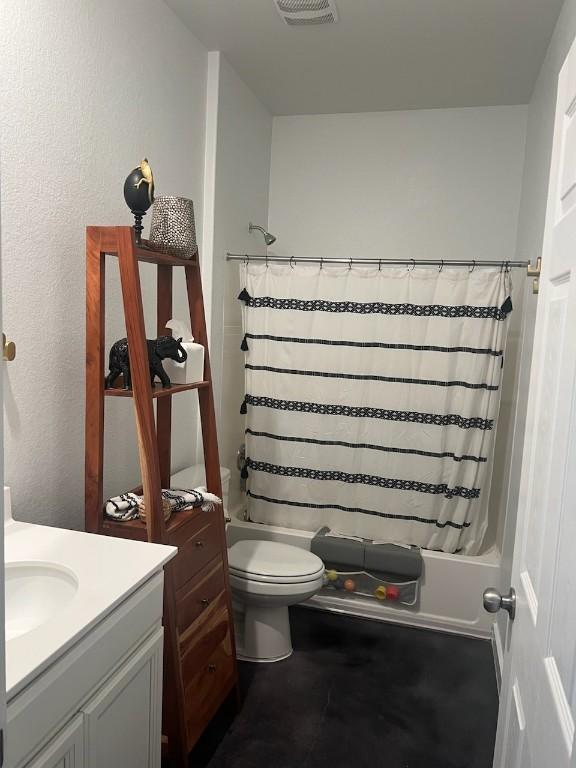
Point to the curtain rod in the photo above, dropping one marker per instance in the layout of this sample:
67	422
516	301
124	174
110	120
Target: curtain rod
377	262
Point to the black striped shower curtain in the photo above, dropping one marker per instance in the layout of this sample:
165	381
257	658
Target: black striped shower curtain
371	399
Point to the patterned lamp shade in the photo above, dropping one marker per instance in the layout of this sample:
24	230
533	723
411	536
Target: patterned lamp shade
172	229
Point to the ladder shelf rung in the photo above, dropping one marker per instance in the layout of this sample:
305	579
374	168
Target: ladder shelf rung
158	390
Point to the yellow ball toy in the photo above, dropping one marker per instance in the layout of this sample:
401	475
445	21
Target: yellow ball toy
380	593
331	575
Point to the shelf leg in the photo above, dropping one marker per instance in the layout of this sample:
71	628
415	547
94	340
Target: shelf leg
173	701
164	404
94	428
208	423
142	389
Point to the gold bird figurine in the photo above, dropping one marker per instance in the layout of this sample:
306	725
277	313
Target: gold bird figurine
147	177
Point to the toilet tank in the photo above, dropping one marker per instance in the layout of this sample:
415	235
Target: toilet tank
194	476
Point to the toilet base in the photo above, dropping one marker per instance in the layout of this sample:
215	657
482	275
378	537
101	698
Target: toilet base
242	657
265	634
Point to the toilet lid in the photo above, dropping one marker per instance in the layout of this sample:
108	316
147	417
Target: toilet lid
272	561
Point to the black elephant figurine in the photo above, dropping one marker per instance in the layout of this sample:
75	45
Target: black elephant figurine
158	349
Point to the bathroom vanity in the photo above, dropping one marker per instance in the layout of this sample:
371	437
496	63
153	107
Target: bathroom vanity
84	648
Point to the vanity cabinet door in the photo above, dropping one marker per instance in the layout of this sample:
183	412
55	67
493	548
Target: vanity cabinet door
66	750
123	722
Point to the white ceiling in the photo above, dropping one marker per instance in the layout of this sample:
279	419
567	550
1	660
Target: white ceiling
382	54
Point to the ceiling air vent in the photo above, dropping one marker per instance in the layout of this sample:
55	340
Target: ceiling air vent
299	13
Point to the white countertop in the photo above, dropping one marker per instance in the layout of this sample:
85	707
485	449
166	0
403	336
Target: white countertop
107	570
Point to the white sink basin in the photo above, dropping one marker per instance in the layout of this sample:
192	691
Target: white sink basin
35	593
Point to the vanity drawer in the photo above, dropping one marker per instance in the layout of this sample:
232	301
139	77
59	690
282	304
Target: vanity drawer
203	636
199	593
201	545
205	692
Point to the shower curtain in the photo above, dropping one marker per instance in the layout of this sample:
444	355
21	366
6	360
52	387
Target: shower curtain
371	399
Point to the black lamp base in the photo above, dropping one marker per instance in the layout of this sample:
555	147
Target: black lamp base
138	228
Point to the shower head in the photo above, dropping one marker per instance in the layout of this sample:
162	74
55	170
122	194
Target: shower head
268	238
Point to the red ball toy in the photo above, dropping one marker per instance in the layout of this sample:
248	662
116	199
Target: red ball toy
392	593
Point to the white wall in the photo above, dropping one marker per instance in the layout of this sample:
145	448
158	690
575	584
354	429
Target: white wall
422	184
88	88
241	171
540	128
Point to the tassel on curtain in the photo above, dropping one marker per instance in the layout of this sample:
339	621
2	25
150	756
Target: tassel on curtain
374	396
244	296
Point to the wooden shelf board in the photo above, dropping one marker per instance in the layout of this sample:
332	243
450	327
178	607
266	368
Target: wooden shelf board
158	390
145	252
136	529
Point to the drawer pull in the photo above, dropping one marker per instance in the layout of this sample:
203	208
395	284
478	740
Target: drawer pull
199	543
205	602
211	667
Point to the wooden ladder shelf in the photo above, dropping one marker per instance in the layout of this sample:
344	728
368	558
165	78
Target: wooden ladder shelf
199	653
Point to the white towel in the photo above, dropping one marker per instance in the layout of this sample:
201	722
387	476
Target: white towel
180	498
123	507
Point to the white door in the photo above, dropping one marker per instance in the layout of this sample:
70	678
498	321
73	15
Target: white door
538	700
2	641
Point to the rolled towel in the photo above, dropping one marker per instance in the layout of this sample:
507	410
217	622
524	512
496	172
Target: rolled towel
180	498
123	507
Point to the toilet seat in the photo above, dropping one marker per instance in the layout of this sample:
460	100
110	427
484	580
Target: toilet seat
269	562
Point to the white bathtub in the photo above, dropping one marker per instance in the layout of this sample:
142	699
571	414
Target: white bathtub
450	595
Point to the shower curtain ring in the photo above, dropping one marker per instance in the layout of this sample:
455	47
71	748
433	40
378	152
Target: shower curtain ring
441	267
321	263
411	268
379	265
292	261
266	259
349	264
472	268
507	267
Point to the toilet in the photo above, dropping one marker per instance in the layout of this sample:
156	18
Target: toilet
265	578
194	476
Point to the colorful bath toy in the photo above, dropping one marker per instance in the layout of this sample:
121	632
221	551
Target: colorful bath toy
350	585
380	593
393	593
331	575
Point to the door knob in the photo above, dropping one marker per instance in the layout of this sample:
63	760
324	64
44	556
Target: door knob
494	601
9	349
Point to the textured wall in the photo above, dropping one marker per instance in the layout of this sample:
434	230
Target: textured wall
440	183
88	88
241	176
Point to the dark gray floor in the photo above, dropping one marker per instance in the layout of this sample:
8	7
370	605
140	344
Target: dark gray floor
361	694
